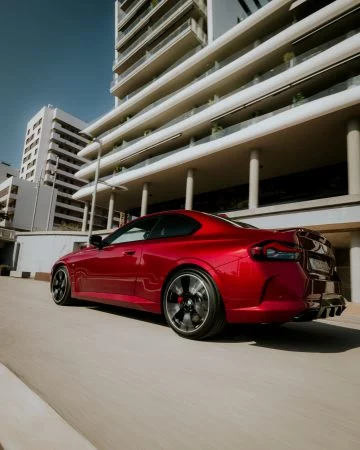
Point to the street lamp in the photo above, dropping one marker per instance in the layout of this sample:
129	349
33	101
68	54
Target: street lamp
36	200
96	181
93	200
54	173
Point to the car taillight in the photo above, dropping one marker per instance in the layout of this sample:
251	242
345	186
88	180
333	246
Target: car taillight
276	250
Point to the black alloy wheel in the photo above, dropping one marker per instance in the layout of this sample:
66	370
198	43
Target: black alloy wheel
192	304
60	286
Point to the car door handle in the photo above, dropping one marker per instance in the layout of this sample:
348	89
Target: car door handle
129	252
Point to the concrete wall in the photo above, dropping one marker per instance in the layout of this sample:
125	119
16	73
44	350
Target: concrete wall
25	204
225	14
38	251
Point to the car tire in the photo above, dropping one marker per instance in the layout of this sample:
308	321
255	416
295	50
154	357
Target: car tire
60	287
192	304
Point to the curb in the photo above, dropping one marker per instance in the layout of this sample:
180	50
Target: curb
27	422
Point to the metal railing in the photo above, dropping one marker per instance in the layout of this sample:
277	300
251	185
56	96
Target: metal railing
340	87
151	53
269	74
137	23
217	65
151	30
125	16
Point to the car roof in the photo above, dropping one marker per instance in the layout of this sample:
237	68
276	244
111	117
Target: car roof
209	223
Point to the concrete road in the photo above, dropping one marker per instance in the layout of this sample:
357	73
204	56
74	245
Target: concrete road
126	381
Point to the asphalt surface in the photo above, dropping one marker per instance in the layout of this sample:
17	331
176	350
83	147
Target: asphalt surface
125	381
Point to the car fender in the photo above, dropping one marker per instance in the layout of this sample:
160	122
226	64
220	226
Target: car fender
196	262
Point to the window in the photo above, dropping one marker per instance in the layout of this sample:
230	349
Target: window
136	231
174	225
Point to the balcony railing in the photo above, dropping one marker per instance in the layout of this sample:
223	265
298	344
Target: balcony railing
151	31
216	67
138	21
151	53
272	72
340	87
123	17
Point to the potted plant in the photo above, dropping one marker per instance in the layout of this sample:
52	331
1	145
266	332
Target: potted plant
298	98
288	58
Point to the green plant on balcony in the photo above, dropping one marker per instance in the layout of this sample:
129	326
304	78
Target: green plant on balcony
117	169
216	128
154	3
298	98
288	58
147	132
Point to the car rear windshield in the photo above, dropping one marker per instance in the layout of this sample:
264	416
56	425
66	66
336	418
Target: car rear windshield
233	222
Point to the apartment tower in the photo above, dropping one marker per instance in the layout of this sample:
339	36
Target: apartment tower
52	142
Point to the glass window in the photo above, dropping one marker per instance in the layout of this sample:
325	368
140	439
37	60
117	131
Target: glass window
174	225
136	231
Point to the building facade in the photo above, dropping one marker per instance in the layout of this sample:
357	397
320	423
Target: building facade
24	205
246	107
50	157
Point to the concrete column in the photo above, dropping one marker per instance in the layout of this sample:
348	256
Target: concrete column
85	216
111	211
144	199
254	179
353	156
189	189
355	266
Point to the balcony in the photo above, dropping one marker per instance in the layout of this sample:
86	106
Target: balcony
328	54
153	31
69	206
59	184
180	41
137	25
57	127
182	71
67	217
223	157
56	137
124	17
61	151
52	158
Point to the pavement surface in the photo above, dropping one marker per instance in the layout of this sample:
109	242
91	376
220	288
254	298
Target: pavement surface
123	380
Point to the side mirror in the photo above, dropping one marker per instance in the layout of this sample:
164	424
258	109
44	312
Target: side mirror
95	240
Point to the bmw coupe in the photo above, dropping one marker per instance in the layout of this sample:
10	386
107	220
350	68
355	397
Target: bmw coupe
202	271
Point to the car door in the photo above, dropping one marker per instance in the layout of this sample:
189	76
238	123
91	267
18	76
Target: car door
168	241
112	268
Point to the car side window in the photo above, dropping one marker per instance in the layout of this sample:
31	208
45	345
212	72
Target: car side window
137	231
173	226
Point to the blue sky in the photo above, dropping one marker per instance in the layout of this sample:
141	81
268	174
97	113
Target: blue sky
52	52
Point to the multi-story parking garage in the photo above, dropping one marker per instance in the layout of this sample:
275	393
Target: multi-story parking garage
248	107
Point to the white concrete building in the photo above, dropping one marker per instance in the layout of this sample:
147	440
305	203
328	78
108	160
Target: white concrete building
249	107
25	205
52	137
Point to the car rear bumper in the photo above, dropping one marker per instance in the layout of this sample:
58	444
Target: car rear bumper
323	300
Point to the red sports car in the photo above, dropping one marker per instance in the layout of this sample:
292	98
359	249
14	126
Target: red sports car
202	270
